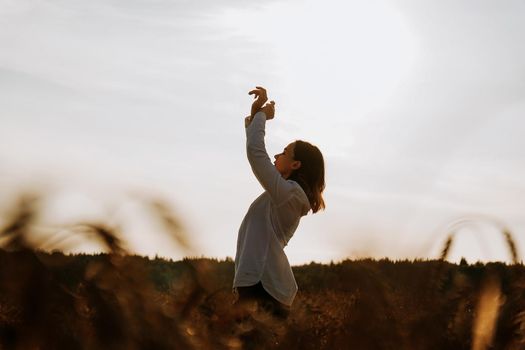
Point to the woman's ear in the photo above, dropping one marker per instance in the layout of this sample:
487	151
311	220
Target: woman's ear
296	164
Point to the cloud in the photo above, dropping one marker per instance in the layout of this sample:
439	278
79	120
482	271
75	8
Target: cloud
156	91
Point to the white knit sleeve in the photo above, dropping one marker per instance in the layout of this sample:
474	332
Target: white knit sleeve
268	176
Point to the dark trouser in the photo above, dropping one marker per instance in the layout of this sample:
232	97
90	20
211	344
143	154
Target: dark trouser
264	300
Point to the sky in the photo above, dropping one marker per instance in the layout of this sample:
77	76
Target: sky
417	107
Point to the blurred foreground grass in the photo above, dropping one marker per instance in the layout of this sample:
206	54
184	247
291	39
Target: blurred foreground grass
117	300
111	301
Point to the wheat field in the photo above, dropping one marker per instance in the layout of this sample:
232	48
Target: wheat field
116	300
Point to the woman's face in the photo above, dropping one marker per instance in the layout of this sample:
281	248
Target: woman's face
285	163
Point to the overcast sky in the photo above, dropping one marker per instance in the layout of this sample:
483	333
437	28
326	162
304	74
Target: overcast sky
418	107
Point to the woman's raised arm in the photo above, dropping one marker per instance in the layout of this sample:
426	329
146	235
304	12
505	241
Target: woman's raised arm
268	176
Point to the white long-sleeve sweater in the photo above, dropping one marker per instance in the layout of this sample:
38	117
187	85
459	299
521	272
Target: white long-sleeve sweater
269	223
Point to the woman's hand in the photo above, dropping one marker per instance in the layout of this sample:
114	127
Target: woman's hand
260	98
269	110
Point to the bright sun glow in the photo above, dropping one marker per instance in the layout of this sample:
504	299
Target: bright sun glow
333	61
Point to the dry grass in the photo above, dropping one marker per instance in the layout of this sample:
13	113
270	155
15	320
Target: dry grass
120	301
490	298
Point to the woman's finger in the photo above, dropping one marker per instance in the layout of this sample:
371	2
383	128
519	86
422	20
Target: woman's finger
258	90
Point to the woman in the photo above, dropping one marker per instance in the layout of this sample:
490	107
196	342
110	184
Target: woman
293	186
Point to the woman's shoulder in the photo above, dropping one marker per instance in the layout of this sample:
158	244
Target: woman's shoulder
294	185
298	192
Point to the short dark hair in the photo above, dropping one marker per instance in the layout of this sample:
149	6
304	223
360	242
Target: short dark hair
310	176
